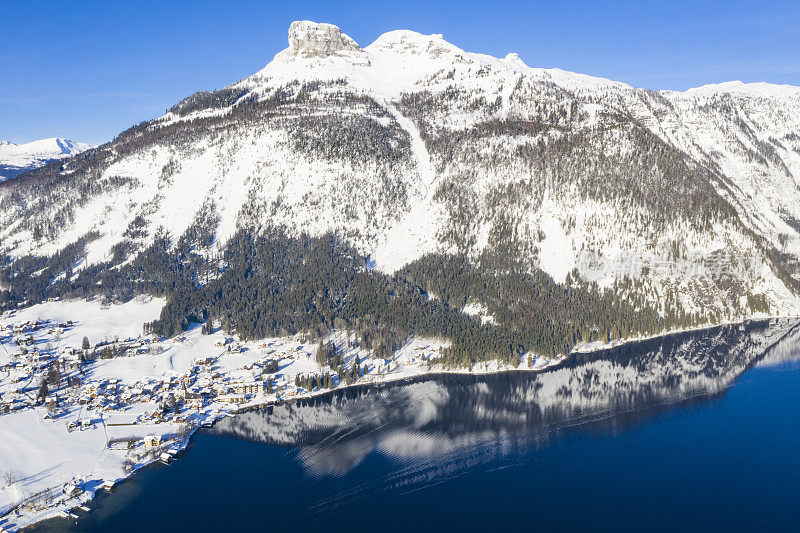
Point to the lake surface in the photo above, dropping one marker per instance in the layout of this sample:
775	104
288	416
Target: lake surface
695	431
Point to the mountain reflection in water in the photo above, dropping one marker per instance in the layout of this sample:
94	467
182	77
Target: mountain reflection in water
439	428
513	451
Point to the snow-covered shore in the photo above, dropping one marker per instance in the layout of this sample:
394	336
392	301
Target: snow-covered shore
94	425
109	418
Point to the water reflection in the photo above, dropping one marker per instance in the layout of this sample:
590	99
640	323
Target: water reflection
440	428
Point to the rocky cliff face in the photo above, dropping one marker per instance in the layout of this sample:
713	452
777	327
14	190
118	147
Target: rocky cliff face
310	39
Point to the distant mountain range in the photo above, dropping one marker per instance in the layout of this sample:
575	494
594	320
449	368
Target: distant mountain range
16	159
689	202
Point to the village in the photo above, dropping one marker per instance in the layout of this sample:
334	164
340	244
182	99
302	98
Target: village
131	400
40	373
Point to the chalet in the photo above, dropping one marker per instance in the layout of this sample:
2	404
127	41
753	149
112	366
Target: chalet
72	491
234	399
152	441
151	387
196	404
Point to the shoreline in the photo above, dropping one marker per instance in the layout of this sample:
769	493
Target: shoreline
556	363
374	381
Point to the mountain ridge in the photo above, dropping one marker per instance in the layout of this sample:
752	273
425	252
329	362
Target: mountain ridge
411	146
16	159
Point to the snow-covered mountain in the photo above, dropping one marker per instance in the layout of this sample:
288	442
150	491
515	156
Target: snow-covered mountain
18	158
411	145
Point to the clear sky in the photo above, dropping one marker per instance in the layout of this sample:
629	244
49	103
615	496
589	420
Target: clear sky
87	70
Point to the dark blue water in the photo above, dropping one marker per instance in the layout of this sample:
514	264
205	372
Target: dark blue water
700	432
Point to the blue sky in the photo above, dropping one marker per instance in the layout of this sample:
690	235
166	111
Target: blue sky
87	70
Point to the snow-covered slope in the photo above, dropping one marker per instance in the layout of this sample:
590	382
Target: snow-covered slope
18	158
411	145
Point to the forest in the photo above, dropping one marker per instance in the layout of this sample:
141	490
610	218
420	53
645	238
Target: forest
275	284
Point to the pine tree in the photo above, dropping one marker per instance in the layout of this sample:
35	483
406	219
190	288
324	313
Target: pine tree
43	390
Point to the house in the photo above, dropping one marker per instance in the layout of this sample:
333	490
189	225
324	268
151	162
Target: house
248	387
72	490
152	441
234	399
196	404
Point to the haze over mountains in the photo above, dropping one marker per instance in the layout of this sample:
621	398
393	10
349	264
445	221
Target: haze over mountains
411	146
16	159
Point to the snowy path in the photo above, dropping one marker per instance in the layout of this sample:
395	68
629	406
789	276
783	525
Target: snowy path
415	233
425	168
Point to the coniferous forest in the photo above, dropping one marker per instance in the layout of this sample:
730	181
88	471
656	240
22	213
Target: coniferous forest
275	285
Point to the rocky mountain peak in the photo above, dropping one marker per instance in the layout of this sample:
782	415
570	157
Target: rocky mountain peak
314	39
514	59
